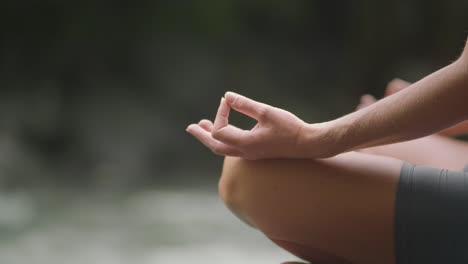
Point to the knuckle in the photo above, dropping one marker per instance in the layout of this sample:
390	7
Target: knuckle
217	134
241	102
264	113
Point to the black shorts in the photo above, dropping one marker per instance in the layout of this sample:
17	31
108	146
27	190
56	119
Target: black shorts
431	216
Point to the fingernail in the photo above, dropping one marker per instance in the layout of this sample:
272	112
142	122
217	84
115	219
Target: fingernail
229	97
189	128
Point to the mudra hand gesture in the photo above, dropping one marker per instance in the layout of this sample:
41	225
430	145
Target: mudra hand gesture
278	133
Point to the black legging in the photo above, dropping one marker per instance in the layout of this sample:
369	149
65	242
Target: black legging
431	224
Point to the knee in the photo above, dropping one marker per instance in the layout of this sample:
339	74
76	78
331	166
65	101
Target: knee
232	187
230	183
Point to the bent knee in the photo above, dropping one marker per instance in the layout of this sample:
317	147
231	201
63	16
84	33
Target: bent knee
227	182
232	186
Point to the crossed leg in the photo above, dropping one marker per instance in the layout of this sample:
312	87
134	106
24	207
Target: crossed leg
435	151
337	210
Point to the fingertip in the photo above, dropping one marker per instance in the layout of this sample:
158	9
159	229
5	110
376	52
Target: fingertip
396	85
205	121
222	116
190	128
367	98
395	80
230	96
206	124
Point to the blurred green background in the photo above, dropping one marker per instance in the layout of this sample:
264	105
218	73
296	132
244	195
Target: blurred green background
95	163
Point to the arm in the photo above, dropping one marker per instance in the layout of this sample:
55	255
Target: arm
430	105
397	85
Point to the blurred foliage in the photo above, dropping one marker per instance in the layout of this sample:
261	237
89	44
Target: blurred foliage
98	93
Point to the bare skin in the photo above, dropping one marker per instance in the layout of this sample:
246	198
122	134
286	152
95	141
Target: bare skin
422	151
290	180
255	192
337	210
428	106
397	85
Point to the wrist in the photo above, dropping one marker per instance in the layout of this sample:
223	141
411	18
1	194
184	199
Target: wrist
320	140
338	131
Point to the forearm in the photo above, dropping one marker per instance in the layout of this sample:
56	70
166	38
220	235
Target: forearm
428	106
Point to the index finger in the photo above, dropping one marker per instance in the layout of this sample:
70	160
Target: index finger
247	106
222	116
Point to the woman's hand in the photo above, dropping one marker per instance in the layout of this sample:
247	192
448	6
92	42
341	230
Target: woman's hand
278	133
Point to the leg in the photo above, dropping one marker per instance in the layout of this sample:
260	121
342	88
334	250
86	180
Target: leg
338	210
435	150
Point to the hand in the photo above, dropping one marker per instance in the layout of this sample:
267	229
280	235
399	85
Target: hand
276	135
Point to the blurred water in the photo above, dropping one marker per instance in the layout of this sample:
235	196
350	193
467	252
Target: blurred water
159	226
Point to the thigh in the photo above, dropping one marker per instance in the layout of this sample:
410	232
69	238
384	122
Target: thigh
342	206
435	150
